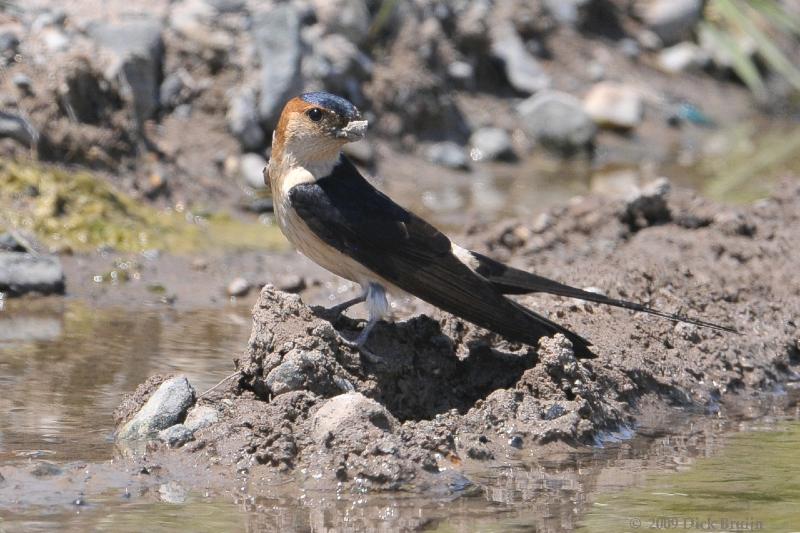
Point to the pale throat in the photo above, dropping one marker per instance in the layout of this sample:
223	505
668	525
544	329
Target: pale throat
317	158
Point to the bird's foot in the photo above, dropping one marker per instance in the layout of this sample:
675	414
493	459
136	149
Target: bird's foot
359	344
333	314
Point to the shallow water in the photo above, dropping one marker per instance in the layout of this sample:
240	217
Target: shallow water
65	367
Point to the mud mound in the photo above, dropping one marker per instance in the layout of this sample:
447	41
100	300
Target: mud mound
442	394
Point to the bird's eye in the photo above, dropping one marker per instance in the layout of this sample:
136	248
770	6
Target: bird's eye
314	114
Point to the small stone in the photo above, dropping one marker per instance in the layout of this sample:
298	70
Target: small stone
350	410
447	154
45	469
137	52
23	82
491	143
523	70
290	283
345	17
516	442
22	273
672	20
555	411
558	121
238	287
176	436
200	416
172	492
276	37
682	57
614	105
18	128
165	407
251	170
460	71
243	120
286	377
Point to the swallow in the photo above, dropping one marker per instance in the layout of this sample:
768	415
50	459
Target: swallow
336	218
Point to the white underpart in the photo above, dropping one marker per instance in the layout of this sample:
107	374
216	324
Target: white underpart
377	303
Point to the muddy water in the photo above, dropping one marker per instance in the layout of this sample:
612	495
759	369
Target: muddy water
65	367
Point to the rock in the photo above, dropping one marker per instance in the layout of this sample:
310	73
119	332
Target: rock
176	436
351	410
286	377
461	71
290	283
8	243
523	71
448	154
22	273
54	39
200	416
165	408
176	89
238	287
9	44
251	170
682	57
648	205
23	82
243	120
490	144
276	36
672	20
614	105
345	17
558	121
571	12
136	52
172	492
17	128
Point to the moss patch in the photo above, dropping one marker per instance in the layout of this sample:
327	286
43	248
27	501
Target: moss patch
81	211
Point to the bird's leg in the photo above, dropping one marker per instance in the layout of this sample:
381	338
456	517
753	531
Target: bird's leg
378	305
337	310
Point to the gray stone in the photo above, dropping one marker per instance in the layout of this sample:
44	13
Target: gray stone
672	20
448	154
614	105
172	492
243	120
345	17
165	408
136	49
350	410
571	12
9	243
276	36
251	170
682	57
17	128
286	377
21	273
176	436
175	89
461	71
523	71
238	287
201	416
490	144
557	121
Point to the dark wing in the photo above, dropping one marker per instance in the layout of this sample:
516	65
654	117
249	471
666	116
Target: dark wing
509	280
349	214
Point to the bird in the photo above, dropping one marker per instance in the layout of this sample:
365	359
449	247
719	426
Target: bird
338	219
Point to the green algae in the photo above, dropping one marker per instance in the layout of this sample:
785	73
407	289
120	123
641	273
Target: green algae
80	211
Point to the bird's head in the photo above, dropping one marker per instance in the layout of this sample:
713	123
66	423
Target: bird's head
314	126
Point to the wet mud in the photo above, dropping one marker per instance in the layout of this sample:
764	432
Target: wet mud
440	398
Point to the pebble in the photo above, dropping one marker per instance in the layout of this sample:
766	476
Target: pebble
286	377
165	407
558	121
447	154
22	273
682	57
176	436
349	410
491	143
614	105
238	287
201	416
251	170
672	20
523	70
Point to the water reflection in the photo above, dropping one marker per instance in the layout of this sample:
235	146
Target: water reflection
65	367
